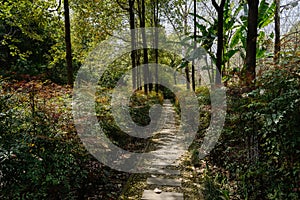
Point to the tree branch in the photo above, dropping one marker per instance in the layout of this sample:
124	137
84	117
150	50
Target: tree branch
58	6
122	6
217	7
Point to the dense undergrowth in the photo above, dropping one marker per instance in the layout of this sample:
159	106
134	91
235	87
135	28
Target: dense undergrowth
41	156
257	156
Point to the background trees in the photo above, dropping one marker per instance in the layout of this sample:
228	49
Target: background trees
94	16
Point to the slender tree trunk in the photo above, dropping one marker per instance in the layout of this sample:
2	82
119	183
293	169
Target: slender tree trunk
185	25
68	44
133	45
138	63
220	45
251	42
253	140
195	45
145	50
156	43
277	32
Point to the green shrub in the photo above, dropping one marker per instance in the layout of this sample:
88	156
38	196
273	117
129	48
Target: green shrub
259	142
41	158
139	106
203	95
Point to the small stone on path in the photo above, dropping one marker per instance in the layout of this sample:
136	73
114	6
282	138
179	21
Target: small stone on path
157	191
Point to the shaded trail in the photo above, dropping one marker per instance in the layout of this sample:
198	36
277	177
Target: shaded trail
164	179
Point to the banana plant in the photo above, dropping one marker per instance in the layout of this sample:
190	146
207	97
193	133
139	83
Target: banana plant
208	33
235	31
265	17
206	41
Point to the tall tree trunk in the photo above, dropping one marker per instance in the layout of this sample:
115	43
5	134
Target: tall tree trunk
195	45
145	50
156	43
253	140
250	73
185	30
220	45
68	44
133	45
138	63
277	32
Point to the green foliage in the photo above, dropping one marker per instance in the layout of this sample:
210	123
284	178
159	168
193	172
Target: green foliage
139	107
214	184
265	17
234	30
92	23
40	156
261	135
32	35
177	13
265	13
25	35
203	95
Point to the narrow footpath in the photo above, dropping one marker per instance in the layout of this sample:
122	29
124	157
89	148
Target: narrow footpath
165	179
168	149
